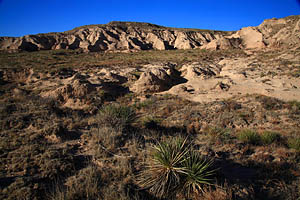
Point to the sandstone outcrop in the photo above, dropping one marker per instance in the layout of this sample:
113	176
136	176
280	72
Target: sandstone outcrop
114	36
156	78
73	93
206	82
133	36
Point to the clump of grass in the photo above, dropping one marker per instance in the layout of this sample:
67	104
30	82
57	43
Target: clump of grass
84	185
219	193
150	122
295	72
55	163
270	103
268	137
145	104
294	143
105	141
295	107
218	134
174	169
249	136
116	116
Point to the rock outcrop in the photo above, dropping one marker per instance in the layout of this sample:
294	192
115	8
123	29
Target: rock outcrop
156	78
130	36
73	93
283	33
114	36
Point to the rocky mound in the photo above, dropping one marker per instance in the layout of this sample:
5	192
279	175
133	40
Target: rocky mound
124	36
240	76
156	78
73	93
282	32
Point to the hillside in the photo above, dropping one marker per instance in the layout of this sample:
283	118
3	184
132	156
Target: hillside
130	36
100	119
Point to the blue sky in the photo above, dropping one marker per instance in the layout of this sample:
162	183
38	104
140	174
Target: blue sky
22	17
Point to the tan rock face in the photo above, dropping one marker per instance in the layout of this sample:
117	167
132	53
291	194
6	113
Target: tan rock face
118	36
157	43
112	37
156	78
73	93
182	41
234	77
251	37
197	70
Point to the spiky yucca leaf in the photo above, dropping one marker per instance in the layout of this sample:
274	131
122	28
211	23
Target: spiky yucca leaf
164	174
198	173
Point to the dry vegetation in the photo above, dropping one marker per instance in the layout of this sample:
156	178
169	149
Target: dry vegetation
48	151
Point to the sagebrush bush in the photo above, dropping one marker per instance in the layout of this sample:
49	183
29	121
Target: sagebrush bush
175	168
116	116
249	136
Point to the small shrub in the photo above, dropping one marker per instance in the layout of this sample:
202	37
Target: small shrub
116	116
268	137
249	136
294	143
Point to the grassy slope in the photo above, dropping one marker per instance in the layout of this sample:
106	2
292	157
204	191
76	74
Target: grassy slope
54	152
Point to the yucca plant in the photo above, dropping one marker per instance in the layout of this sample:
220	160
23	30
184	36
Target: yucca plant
164	174
174	167
198	173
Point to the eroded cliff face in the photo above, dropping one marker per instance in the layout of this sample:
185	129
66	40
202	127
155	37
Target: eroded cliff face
124	36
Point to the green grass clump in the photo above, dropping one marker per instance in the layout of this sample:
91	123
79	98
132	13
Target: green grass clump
116	116
150	122
145	104
249	136
268	137
295	106
176	169
294	143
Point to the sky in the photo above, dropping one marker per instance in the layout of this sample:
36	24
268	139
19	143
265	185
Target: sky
23	17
